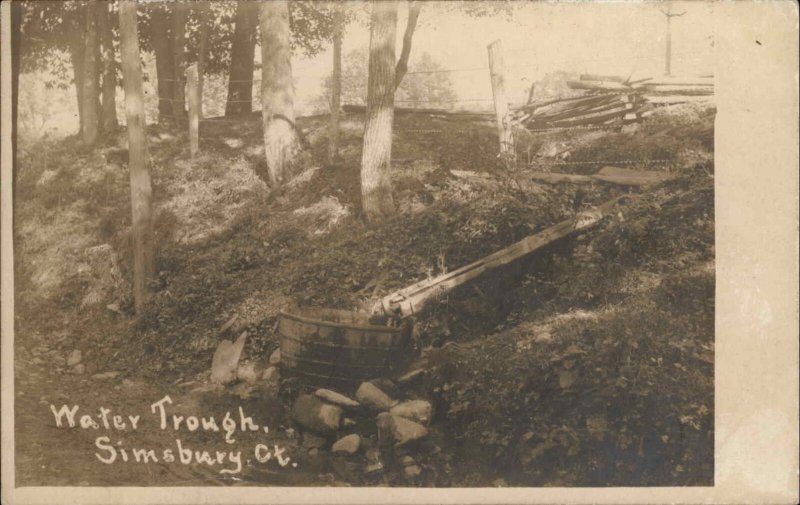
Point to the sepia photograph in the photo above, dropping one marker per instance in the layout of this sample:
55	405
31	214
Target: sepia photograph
413	244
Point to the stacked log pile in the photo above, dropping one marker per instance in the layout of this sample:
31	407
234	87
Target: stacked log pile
609	100
586	110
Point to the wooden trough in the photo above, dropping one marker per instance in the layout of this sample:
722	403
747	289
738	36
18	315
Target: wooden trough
337	349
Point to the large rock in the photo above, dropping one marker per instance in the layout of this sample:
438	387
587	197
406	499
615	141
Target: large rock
336	398
348	444
369	394
416	410
392	428
315	415
226	360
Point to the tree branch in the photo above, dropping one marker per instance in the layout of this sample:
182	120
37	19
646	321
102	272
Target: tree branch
402	63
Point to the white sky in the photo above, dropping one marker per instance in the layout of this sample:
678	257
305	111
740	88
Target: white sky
606	38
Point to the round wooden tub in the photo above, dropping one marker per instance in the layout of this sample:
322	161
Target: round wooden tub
336	348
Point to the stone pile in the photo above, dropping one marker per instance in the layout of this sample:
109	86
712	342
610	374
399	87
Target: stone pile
368	426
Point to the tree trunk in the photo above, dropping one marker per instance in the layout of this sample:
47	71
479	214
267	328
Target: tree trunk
160	37
202	51
109	112
91	89
138	161
76	55
178	59
243	48
376	191
411	25
336	88
281	142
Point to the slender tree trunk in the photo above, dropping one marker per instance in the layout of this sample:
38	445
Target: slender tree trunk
138	162
178	59
402	63
243	49
91	89
336	88
202	50
376	191
109	113
76	55
160	37
281	142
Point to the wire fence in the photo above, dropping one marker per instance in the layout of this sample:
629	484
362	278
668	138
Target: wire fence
454	105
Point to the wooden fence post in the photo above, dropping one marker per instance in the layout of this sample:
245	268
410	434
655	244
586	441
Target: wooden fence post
193	84
497	73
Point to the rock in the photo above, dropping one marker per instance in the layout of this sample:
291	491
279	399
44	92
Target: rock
386	385
271	374
369	394
416	410
336	398
275	357
79	369
313	451
348	444
105	375
226	360
407	461
311	413
411	376
347	422
74	358
374	467
249	371
412	471
114	307
392	428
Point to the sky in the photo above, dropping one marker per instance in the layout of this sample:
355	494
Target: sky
619	38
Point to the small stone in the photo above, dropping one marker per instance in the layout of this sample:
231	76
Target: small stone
347	422
275	357
79	369
392	428
105	375
249	371
114	307
412	471
416	410
374	467
369	394
313	451
311	413
348	444
336	398
407	461
74	358
271	374
500	483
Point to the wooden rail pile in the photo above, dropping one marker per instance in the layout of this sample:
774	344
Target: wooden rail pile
687	86
581	111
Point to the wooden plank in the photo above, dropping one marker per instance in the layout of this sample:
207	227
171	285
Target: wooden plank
413	299
631	177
